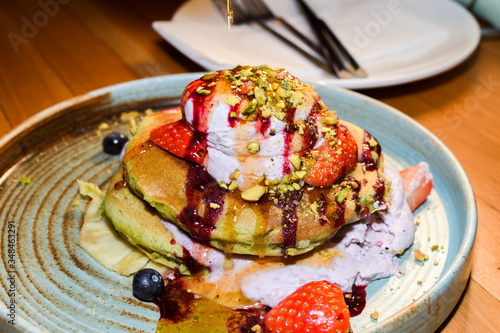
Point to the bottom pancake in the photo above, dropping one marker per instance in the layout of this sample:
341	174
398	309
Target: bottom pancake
141	225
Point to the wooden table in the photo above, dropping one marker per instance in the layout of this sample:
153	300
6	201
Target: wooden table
51	51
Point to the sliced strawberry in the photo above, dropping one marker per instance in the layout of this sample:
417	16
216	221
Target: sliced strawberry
318	306
418	182
334	162
179	139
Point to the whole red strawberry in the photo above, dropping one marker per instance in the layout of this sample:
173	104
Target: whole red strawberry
180	139
318	306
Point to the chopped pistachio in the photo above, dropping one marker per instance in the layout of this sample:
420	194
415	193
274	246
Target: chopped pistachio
280	115
246	72
223	184
266	113
343	194
296	162
202	91
233	186
209	76
296	97
103	126
253	193
235	175
24	180
214	205
330	121
233	100
285	179
281	92
260	95
253	147
296	186
283	189
251	107
236	83
257	328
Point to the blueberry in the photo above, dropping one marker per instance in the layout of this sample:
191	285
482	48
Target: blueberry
148	285
114	142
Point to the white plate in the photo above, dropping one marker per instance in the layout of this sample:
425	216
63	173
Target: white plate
395	41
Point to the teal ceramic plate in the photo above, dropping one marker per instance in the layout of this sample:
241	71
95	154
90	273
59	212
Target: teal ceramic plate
49	284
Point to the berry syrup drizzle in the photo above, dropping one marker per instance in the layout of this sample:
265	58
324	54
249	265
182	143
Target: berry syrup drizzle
201	188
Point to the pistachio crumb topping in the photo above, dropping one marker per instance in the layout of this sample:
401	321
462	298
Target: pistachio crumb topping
270	91
200	90
209	76
233	186
253	147
296	162
24	180
235	175
233	100
214	205
254	193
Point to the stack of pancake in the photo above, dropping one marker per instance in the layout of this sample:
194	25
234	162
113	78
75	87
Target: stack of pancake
294	211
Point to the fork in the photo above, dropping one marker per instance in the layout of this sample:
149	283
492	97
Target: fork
330	44
242	15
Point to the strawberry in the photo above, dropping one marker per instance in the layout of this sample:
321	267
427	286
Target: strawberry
335	161
418	182
180	139
317	306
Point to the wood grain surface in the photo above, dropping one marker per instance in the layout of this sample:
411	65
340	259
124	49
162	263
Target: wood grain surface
50	54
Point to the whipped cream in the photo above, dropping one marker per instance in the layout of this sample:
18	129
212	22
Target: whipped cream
277	128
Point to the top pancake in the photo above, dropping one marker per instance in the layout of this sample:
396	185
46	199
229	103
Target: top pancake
185	194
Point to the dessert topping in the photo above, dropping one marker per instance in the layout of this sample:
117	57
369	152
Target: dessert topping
148	285
334	159
113	143
179	139
318	306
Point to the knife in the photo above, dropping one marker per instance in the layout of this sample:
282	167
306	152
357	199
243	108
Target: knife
333	50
